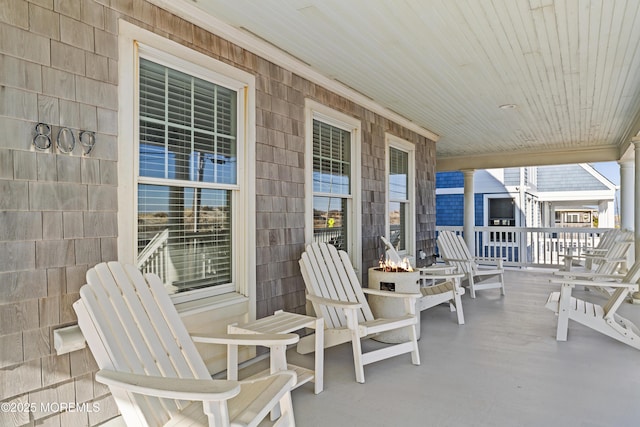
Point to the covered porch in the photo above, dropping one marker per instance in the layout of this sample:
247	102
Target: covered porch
503	367
433	86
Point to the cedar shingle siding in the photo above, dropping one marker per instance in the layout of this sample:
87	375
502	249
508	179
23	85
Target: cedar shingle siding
58	213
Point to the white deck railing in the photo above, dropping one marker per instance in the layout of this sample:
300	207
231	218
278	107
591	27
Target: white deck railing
154	257
535	247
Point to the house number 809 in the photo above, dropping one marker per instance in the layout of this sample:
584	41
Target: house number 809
65	140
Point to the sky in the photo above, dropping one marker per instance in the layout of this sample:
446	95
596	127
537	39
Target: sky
611	171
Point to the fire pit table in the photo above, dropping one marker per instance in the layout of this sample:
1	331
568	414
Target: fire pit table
394	281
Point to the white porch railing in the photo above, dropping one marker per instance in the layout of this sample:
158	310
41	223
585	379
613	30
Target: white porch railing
154	257
534	247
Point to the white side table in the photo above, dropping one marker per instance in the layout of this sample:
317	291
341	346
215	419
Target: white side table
282	322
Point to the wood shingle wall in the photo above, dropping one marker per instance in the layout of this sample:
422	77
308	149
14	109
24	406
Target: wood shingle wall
58	212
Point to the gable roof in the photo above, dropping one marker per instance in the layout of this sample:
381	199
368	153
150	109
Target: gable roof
575	177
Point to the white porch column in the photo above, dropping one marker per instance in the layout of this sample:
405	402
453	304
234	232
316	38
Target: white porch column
627	176
469	211
636	196
605	214
636	207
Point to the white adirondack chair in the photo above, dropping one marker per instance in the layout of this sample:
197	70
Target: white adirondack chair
336	295
608	267
603	319
448	291
604	245
151	364
611	251
454	251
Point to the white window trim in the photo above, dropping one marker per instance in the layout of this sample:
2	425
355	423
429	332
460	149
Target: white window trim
317	111
488	197
392	141
130	39
485	203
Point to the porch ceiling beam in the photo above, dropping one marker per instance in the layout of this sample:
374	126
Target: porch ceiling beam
517	159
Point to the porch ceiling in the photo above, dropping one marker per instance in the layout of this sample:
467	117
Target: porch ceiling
570	67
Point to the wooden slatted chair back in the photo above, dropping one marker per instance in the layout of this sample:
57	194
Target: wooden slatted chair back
131	325
454	249
328	273
391	252
605	244
610	262
608	239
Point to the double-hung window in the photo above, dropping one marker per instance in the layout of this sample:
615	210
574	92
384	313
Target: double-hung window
186	192
331	184
400	195
333	173
187	175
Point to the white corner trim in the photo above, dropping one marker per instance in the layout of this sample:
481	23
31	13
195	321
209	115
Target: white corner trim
187	10
452	190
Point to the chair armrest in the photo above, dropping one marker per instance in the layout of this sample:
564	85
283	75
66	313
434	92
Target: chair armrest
455	259
632	286
333	303
603	258
594	251
427	275
498	261
266	340
171	388
588	274
390	294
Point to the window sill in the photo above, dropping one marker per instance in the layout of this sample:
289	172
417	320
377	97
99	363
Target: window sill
70	338
215	302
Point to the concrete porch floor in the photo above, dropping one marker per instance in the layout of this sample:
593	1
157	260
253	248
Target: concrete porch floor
502	368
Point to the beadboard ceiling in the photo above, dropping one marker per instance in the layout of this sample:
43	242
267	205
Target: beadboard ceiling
570	68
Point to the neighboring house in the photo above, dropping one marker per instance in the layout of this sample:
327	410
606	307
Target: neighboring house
545	196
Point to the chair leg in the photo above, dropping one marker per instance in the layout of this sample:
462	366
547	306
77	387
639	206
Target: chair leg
286	419
352	324
472	288
502	284
415	354
563	313
458	304
357	358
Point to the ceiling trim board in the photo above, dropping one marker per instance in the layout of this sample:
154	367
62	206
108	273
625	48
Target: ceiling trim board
510	159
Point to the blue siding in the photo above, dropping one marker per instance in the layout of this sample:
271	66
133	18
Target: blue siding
479	209
453	179
450	209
